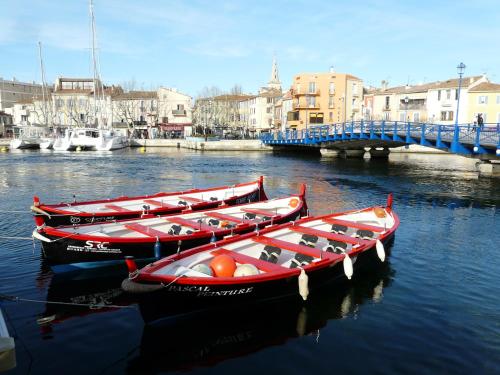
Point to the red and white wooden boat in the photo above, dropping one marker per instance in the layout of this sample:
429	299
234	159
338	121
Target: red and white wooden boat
90	245
287	259
156	204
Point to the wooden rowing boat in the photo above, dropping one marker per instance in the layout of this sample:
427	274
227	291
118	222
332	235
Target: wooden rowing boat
153	237
286	259
156	204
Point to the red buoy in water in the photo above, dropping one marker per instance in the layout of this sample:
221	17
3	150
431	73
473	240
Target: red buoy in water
223	265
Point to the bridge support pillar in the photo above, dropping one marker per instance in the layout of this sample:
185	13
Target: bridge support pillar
329	153
489	168
352	154
382	153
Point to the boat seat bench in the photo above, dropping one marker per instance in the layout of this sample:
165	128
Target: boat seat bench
151	232
191	199
260	212
328	235
306	250
231	218
242	258
116	208
159	204
351	224
191	224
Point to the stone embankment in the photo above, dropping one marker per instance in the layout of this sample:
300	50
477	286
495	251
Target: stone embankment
202	145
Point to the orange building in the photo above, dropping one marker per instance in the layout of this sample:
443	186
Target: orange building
325	98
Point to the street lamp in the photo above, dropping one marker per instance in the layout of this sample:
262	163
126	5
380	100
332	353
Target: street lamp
460	70
406	99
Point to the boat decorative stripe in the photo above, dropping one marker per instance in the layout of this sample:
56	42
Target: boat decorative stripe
242	259
191	224
352	224
306	250
151	232
328	235
159	204
234	219
116	208
259	211
191	199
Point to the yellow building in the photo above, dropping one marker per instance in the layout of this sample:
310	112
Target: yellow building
324	98
484	99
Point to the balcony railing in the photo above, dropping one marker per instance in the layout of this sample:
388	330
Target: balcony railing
403	107
306	92
305	106
386	108
179	112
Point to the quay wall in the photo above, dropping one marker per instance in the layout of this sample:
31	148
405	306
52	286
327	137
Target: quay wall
194	144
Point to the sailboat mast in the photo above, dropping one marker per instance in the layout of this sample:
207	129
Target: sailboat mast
94	61
45	113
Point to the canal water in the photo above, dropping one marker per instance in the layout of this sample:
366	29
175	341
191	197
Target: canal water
434	307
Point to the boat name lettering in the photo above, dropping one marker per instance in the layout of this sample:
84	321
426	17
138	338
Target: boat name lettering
205	291
94	247
247	198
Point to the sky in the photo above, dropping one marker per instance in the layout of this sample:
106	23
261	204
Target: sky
193	44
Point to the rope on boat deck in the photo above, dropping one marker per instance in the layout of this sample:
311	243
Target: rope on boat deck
89	305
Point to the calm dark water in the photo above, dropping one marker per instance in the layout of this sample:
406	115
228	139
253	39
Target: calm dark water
433	308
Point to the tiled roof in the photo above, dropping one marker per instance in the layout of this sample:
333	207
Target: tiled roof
486	87
451	83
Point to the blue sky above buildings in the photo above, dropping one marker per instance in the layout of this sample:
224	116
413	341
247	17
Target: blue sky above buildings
192	44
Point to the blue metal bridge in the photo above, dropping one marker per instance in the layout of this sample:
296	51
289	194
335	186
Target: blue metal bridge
469	140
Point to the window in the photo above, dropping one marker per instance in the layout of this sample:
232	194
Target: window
331	101
387	115
82	117
298	87
439	95
354	89
498	99
387	101
331	88
402	116
483	99
70	103
448	94
316	118
180	107
82	103
456	94
330	116
446	115
312	87
311	101
416	117
292	116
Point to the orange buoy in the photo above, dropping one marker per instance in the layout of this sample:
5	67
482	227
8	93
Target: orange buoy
223	265
294	202
224	224
379	212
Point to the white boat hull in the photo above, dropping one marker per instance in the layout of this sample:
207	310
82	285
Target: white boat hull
24	143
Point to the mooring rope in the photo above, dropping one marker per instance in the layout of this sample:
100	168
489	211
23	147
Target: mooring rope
15	238
89	305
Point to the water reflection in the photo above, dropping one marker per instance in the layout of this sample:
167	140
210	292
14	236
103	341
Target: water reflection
208	338
98	291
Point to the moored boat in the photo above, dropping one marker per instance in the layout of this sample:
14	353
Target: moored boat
287	259
156	204
83	246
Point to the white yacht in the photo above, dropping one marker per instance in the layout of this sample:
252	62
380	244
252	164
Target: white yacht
26	137
110	140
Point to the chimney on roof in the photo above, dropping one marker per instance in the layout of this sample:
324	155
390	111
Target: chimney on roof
384	85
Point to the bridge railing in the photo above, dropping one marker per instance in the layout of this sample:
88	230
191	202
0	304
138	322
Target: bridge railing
442	136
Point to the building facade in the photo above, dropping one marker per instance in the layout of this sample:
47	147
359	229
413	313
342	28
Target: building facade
322	98
14	91
484	99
